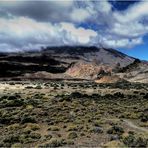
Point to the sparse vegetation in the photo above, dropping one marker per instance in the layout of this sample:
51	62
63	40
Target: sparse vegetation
132	141
76	115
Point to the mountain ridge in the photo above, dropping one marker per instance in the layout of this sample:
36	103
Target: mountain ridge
77	62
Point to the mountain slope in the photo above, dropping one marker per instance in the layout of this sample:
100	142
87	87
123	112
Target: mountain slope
72	62
90	54
135	72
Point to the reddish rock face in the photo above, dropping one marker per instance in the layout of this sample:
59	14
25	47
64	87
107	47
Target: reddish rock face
109	79
88	70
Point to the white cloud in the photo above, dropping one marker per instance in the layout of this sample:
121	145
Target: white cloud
104	6
115	42
134	13
80	15
62	3
129	22
78	35
129	29
25	33
23	26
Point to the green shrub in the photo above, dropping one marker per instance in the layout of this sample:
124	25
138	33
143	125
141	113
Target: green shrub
72	128
11	139
54	128
131	141
69	142
17	145
54	143
34	135
13	97
115	130
38	87
144	117
32	126
15	103
72	135
13	126
28	119
76	95
96	129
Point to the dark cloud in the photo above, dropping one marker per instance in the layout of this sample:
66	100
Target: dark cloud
38	10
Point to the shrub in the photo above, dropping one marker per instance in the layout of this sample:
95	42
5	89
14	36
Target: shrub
69	142
146	96
3	98
54	143
6	120
13	97
119	94
29	107
140	142
97	129
28	119
34	135
144	117
115	130
13	126
76	95
38	87
11	139
28	87
72	135
48	136
32	126
114	144
72	128
131	141
54	128
15	103
16	145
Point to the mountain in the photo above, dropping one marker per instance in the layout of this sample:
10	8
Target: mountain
90	54
71	62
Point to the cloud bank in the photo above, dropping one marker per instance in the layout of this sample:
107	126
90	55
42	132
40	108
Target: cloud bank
28	25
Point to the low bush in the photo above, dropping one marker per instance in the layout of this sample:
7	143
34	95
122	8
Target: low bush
96	129
54	143
54	128
132	141
72	135
115	130
28	119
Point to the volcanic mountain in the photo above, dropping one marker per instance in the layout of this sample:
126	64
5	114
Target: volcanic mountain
70	62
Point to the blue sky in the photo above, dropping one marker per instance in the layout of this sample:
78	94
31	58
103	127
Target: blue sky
28	25
122	5
139	51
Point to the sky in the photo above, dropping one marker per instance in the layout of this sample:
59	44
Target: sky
30	25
